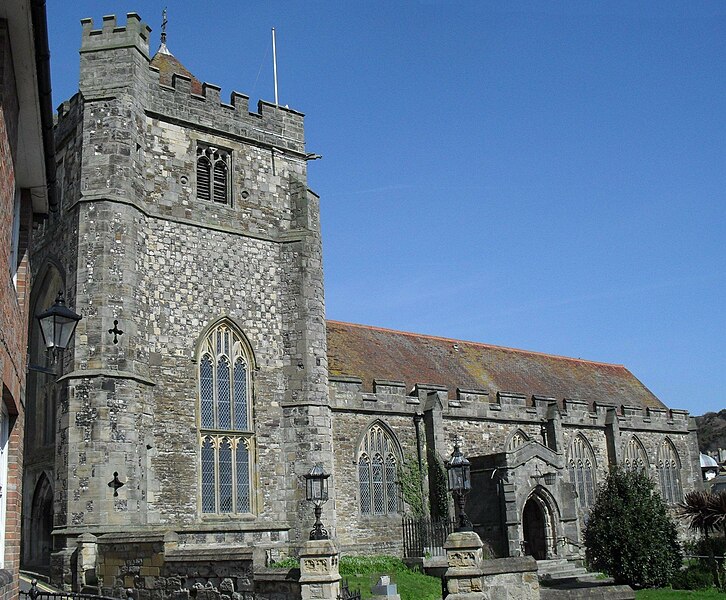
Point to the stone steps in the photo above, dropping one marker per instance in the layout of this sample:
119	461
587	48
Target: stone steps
557	569
561	579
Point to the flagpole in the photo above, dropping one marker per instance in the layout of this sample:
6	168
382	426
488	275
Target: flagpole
274	64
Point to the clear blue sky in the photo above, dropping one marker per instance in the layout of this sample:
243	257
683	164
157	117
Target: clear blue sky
549	176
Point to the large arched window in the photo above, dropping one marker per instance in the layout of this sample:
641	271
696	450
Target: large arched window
378	472
581	464
226	436
669	473
634	456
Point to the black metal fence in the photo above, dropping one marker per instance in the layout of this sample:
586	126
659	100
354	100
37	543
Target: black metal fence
424	537
346	593
35	593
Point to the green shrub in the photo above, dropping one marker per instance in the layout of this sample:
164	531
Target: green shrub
286	563
629	534
694	577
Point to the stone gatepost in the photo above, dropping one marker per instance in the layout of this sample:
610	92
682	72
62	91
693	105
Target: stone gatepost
470	577
86	561
464	555
319	576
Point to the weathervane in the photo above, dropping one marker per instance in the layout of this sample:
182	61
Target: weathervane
163	26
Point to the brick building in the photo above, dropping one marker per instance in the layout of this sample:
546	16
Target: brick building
204	380
26	176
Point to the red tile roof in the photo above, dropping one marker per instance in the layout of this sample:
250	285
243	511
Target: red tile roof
373	353
168	64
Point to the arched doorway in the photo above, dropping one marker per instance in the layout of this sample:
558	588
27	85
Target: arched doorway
40	544
534	529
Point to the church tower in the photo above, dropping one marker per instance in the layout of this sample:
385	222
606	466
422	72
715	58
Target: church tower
194	396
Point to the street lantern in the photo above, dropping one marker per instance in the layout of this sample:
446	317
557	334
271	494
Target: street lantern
548	478
57	324
459	478
316	491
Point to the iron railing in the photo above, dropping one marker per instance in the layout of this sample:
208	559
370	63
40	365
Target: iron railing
35	593
346	593
424	537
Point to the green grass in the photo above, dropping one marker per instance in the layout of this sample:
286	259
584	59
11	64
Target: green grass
669	594
363	572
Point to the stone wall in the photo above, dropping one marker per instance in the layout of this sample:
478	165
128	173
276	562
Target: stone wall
505	476
140	249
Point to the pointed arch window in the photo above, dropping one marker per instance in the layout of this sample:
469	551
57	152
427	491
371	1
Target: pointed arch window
518	439
213	169
634	456
226	438
581	465
669	473
378	472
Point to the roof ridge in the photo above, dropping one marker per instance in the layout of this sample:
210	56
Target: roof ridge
482	344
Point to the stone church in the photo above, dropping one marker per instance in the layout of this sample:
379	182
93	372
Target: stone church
204	381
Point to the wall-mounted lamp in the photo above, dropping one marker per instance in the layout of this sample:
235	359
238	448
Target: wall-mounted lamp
548	478
57	325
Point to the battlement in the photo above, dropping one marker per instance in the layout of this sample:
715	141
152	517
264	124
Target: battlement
167	90
135	34
391	396
275	126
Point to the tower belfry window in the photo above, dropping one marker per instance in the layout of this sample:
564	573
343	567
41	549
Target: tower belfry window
213	171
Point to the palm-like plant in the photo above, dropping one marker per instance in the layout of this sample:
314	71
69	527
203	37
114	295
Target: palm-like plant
707	513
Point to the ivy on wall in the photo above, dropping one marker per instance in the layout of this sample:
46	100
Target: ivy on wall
410	477
439	489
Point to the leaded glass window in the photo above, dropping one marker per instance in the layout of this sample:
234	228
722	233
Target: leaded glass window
226	436
378	472
581	465
634	456
213	174
669	473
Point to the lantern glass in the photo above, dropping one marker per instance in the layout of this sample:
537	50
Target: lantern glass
316	485
459	472
57	324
